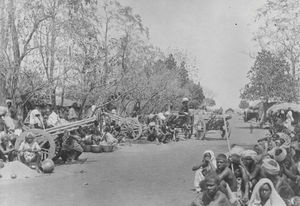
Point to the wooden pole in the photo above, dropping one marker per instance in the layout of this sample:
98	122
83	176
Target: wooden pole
227	138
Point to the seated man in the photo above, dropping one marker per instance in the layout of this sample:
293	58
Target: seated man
224	173
30	151
153	133
167	133
213	194
242	194
7	151
271	170
250	166
71	149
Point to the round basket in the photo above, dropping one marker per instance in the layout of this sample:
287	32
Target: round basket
87	148
107	148
96	148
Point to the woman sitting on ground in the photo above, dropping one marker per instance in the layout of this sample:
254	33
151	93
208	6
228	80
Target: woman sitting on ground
264	194
30	151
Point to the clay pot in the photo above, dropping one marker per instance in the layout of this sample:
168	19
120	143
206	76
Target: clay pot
48	166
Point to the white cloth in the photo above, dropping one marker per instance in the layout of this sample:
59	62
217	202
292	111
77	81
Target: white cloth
18	132
161	116
298	166
91	111
289	120
3	110
28	150
109	139
72	114
289	116
36	118
53	119
9	122
274	200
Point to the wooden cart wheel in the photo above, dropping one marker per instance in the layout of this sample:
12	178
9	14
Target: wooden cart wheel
133	127
43	138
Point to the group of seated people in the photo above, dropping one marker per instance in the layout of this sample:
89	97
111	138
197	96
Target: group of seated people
162	127
71	144
266	175
29	151
159	133
49	118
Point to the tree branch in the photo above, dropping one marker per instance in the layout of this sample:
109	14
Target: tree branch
35	27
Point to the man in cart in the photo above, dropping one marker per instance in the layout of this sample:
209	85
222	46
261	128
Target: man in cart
184	111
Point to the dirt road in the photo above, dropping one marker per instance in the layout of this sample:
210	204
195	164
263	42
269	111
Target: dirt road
145	175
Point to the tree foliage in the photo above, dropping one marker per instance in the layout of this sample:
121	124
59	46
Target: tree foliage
269	78
244	104
87	51
209	102
279	30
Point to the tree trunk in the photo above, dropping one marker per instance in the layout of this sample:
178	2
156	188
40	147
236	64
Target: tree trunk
16	52
52	62
3	45
106	52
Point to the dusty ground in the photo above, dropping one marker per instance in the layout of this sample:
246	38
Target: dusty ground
145	175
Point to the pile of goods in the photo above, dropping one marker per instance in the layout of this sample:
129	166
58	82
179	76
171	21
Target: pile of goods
16	169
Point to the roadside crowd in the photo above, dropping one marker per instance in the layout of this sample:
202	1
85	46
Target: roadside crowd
266	175
69	145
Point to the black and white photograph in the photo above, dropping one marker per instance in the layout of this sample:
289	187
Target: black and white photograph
150	102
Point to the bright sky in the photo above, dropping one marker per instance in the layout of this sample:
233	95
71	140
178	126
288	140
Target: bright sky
217	32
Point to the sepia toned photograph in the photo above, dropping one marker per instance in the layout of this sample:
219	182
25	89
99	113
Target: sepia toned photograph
150	102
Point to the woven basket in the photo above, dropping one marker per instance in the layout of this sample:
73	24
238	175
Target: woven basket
107	148
87	148
96	148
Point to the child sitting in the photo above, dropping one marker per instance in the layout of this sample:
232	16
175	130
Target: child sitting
30	151
208	165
